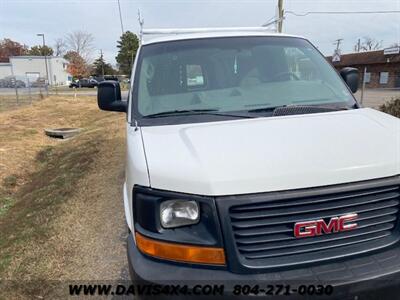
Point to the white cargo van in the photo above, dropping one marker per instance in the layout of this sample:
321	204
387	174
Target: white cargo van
248	158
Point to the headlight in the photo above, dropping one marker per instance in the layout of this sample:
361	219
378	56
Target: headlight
176	213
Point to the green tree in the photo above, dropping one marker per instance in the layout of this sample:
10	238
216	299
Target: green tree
100	67
128	45
41	51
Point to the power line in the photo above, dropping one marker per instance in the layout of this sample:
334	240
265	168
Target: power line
120	17
274	22
269	21
341	12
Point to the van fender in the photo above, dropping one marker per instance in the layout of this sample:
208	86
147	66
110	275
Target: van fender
128	212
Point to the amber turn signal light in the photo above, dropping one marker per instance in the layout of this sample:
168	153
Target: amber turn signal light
179	252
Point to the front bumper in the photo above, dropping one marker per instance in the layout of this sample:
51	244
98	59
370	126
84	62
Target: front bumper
375	276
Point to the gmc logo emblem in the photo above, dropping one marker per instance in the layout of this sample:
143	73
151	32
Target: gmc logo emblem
320	227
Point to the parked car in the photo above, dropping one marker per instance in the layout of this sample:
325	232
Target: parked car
39	83
105	77
250	161
111	77
3	83
88	83
11	82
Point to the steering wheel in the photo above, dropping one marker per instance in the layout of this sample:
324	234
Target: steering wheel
281	74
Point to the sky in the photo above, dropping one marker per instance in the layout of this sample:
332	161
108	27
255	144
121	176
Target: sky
21	20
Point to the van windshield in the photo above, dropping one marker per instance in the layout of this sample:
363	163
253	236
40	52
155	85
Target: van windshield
234	75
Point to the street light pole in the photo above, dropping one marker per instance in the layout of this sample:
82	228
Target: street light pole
45	57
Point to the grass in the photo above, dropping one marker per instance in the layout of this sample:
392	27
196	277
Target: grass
5	203
44	154
5	262
124	87
10	181
21	130
68	89
36	202
38	175
10	101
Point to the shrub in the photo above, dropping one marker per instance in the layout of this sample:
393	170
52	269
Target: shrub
392	107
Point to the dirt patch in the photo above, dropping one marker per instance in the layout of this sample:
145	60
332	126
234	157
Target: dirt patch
62	205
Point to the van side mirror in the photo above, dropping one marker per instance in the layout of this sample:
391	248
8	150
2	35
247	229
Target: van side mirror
351	77
109	97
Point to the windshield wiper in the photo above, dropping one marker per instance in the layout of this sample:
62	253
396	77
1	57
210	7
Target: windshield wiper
294	106
177	111
264	109
185	112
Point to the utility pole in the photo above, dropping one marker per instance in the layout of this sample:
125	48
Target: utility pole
359	45
45	61
280	15
363	85
337	43
120	17
102	62
141	23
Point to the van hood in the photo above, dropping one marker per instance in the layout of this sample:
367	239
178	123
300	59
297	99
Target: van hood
274	153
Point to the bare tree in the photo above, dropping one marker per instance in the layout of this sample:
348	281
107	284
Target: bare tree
369	44
81	42
60	47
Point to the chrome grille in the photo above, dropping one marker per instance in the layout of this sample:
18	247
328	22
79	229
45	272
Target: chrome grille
263	230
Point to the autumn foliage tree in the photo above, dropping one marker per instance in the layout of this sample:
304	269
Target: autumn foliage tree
77	66
11	48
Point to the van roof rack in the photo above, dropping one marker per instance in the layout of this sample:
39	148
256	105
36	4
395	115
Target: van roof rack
201	30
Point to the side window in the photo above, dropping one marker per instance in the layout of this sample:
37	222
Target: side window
367	77
384	77
194	76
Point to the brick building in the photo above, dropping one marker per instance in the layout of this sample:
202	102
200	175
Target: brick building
382	67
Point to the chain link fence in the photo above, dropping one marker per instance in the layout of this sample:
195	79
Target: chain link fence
20	90
16	91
